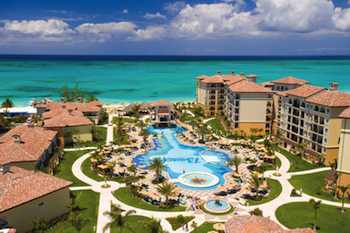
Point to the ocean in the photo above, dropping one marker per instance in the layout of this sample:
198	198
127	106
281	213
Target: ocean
120	79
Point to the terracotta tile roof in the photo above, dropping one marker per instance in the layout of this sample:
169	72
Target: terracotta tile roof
158	103
290	80
66	119
34	141
255	224
246	86
330	99
345	113
229	78
19	186
304	91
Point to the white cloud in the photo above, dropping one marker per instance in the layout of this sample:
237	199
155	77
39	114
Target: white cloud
295	16
151	32
208	19
175	7
154	16
40	27
125	11
341	19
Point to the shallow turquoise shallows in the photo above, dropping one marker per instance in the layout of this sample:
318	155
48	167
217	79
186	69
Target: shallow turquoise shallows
134	81
183	162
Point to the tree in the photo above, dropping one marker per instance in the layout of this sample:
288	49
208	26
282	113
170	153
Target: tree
256	182
343	189
300	148
40	226
316	206
132	169
75	217
118	220
7	103
157	166
168	190
236	161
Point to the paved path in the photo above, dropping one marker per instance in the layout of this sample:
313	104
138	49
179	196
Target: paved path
107	198
80	148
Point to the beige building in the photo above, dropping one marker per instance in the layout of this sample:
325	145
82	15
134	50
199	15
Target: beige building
211	92
162	112
248	107
309	115
27	196
344	149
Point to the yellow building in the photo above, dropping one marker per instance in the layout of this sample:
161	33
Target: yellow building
344	149
211	92
249	107
27	196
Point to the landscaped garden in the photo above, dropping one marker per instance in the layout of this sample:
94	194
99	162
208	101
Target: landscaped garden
179	221
296	162
85	217
204	228
275	190
126	196
329	219
64	169
313	185
135	224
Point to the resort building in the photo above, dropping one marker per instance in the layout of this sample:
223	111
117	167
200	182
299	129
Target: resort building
309	117
344	149
27	196
287	83
91	109
70	125
29	147
246	104
211	92
248	107
162	112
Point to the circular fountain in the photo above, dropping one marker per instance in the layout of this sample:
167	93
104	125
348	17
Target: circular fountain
198	179
217	206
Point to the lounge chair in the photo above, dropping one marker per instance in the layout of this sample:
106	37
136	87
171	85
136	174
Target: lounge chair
221	193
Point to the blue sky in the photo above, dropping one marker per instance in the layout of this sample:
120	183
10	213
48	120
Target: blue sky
192	27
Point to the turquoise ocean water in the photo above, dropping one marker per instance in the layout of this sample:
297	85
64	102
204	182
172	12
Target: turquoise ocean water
144	79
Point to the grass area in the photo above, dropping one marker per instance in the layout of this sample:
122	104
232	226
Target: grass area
204	228
269	166
124	195
296	162
86	168
216	126
301	215
276	189
124	120
88	202
64	169
135	224
179	221
312	184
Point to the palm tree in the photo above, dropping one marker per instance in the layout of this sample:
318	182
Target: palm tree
158	166
118	220
343	189
236	161
316	206
7	103
166	189
300	147
256	182
132	169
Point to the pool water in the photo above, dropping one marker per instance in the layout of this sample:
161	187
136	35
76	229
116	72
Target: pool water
180	159
217	206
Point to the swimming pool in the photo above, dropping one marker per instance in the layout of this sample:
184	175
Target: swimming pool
191	167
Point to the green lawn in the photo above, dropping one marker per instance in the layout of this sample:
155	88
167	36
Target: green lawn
269	166
301	215
135	224
124	120
276	189
204	228
312	184
124	195
177	222
64	169
86	168
88	202
296	162
217	127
